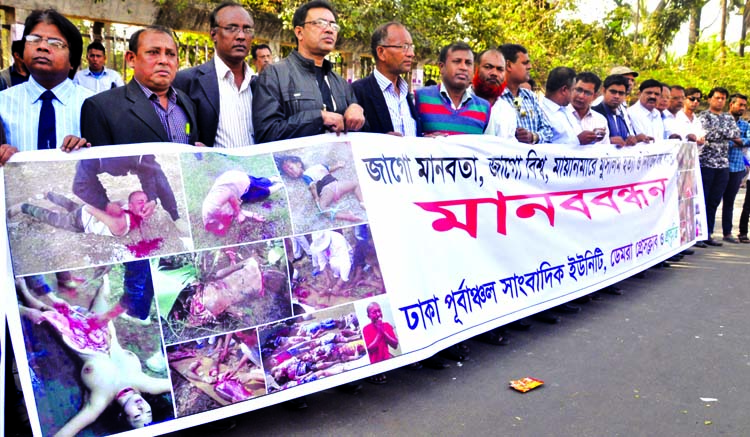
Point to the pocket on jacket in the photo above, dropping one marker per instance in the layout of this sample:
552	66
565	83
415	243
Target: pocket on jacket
298	101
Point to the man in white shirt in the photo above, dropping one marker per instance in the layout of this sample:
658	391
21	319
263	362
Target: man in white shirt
590	126
686	118
489	77
643	113
97	77
220	88
555	105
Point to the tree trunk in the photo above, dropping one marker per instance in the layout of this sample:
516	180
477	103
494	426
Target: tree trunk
694	27
745	22
723	31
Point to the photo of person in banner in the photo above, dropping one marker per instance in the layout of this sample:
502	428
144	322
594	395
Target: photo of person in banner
90	371
380	335
221	290
311	347
94	211
234	199
323	187
212	372
342	266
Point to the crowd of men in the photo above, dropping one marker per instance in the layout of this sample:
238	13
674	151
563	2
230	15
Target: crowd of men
50	104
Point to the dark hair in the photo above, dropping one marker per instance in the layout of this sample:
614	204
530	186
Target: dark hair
225	4
68	30
650	83
589	77
256	47
532	83
511	51
16	47
379	35
135	38
737	96
478	58
677	87
96	45
690	91
718	89
458	46
430	82
281	159
664	85
616	79
560	77
301	13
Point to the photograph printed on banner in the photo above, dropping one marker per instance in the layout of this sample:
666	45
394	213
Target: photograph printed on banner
73	214
311	347
221	290
94	350
216	371
379	332
333	267
323	187
234	199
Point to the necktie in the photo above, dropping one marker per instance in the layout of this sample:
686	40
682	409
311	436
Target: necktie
46	138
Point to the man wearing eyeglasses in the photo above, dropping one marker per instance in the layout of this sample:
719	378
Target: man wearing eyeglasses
686	119
612	108
44	112
220	88
589	126
384	94
301	95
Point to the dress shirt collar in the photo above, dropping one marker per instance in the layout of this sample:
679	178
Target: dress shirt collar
171	93
551	106
384	83
62	91
223	72
465	98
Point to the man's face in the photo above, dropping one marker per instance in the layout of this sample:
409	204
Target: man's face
155	64
458	69
96	59
233	47
631	81
395	60
582	95
663	103
519	71
43	60
676	100
615	95
693	101
263	57
738	107
717	101
137	203
650	97
491	69
313	39
374	313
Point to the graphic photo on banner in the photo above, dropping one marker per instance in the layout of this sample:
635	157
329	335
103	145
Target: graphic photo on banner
73	214
221	290
107	375
311	347
379	333
323	187
333	267
212	372
234	199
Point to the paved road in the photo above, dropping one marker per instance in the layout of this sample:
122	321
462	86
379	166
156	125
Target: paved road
636	364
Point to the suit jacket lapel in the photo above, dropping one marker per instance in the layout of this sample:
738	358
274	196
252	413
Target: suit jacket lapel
210	84
142	108
186	104
383	114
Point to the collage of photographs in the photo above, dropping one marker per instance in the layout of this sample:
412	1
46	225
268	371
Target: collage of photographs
689	209
154	287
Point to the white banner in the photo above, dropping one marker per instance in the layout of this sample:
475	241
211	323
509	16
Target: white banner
223	283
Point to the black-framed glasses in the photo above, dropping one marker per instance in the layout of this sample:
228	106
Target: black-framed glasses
586	93
694	99
55	43
322	23
404	47
233	29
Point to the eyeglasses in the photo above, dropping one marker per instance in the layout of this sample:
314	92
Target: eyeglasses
55	43
586	93
617	92
404	47
694	99
233	29
322	23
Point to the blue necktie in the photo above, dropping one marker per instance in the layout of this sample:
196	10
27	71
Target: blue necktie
46	138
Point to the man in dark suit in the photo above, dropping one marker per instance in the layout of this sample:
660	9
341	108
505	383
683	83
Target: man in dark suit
384	95
148	109
220	88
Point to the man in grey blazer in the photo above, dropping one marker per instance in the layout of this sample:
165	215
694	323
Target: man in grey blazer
220	88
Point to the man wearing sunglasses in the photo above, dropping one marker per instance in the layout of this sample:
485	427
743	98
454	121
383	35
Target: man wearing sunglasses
302	95
220	88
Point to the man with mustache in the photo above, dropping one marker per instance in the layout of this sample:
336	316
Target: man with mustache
449	108
489	83
646	118
384	95
302	95
220	88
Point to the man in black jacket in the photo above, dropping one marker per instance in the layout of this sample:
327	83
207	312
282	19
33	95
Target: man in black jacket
301	96
384	95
